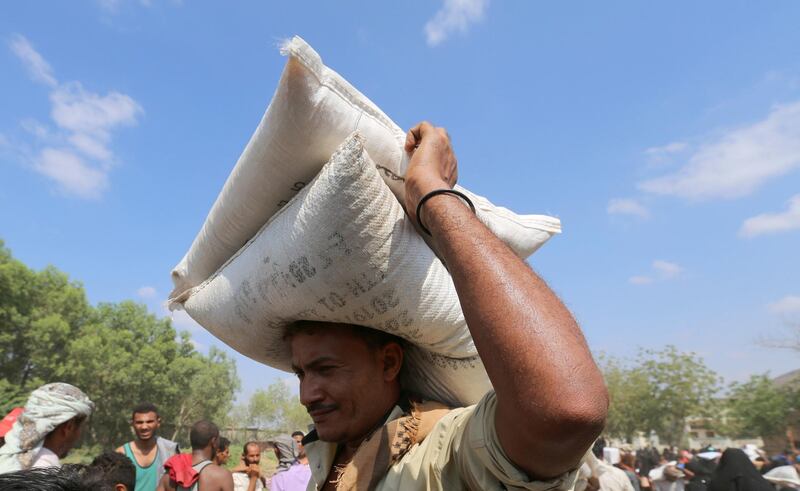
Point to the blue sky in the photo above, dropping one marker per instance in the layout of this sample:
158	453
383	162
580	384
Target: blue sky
666	136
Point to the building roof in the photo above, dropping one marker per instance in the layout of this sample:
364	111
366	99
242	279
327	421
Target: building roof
789	378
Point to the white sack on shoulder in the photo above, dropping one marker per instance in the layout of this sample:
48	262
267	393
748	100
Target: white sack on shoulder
312	111
344	251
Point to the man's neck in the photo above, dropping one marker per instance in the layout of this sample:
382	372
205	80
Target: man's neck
349	448
303	460
53	447
200	455
145	445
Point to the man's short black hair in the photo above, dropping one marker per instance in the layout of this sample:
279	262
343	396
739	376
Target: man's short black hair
64	478
144	407
222	444
373	337
202	433
244	449
298	432
108	469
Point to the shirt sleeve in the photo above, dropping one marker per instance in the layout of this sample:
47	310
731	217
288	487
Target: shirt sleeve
481	458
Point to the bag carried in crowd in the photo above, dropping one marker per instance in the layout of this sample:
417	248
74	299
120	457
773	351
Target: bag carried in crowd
293	238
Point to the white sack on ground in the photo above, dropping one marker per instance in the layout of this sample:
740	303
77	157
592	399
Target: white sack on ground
311	113
343	250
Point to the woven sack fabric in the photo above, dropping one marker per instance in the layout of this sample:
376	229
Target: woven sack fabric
312	111
343	250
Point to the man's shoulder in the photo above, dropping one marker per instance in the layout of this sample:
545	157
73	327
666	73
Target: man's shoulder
167	446
213	471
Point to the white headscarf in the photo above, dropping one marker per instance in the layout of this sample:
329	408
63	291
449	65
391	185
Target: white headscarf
47	407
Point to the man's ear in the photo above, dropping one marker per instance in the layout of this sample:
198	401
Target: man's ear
120	487
392	361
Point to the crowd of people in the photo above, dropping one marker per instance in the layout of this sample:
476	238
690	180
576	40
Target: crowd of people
706	469
53	419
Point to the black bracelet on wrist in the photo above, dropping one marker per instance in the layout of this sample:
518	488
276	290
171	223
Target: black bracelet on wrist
436	192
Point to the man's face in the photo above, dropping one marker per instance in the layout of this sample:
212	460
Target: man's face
252	454
222	456
301	450
72	433
342	382
145	425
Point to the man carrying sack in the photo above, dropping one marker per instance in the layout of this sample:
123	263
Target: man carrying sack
47	429
549	401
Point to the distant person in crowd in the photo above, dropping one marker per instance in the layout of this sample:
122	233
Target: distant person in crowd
298	437
223	451
296	477
197	471
648	459
667	477
627	462
285	451
107	472
700	469
247	475
8	422
147	451
785	476
47	429
736	472
110	471
596	474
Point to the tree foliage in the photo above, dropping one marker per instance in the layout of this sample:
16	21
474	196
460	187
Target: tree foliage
118	353
276	410
657	392
759	408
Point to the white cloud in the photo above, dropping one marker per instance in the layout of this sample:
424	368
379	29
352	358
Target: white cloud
84	120
80	111
146	292
35	128
664	271
38	68
455	15
739	162
773	223
71	173
667	270
667	149
790	304
665	153
620	206
640	280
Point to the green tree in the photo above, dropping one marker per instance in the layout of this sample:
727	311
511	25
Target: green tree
658	392
122	357
40	313
209	382
758	408
119	354
630	394
277	410
683	386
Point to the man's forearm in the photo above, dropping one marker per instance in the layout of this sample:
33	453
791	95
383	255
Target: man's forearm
551	397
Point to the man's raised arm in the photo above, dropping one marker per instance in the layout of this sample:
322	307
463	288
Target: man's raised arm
551	398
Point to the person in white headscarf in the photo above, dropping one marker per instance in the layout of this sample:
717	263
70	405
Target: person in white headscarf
596	474
47	429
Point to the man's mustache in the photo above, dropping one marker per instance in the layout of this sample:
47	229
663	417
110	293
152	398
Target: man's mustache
318	406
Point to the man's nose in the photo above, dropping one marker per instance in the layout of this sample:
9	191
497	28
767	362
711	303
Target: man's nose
310	391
